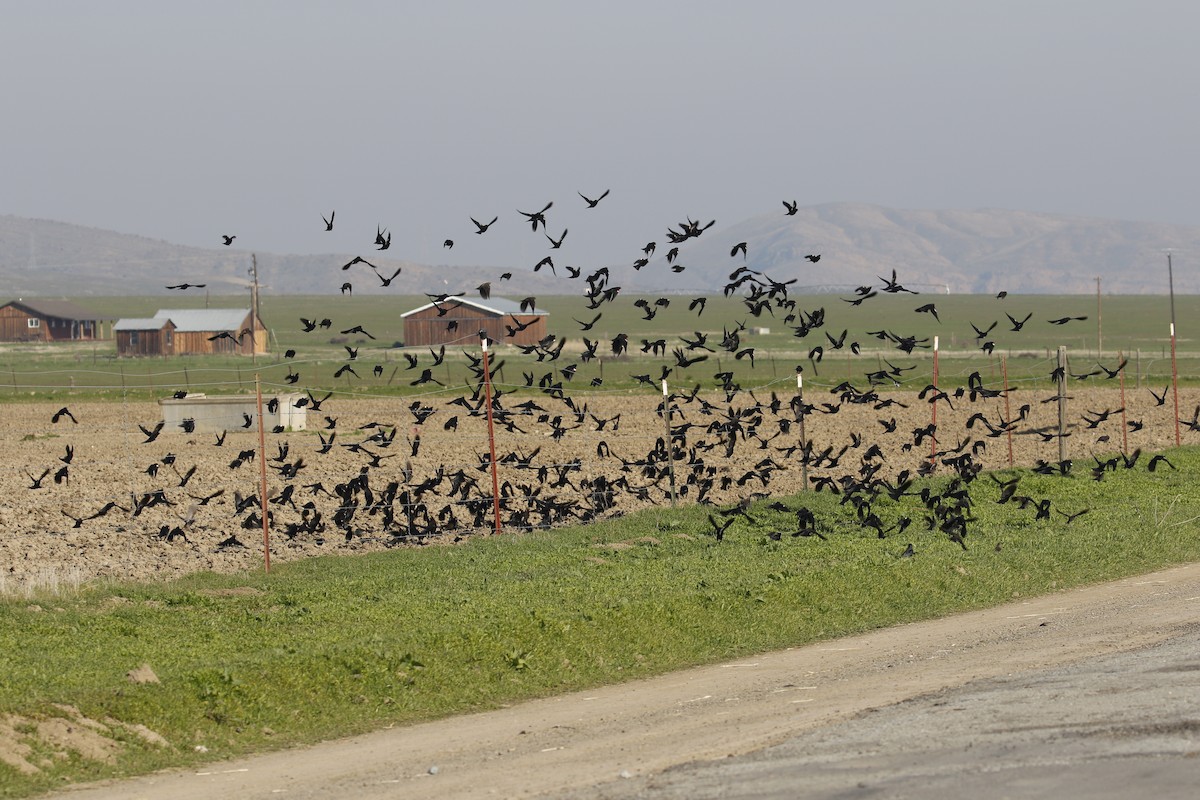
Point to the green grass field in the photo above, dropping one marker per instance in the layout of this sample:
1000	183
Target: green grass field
1129	323
1135	326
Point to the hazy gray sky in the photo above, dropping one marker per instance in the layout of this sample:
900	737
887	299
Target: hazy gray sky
186	121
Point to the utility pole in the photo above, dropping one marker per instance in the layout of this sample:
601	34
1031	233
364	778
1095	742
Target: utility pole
253	303
1099	326
1171	287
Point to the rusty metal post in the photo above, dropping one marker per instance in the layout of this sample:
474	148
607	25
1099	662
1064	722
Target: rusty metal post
487	388
666	412
933	406
262	476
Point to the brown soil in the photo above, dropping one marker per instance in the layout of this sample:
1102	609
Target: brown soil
41	548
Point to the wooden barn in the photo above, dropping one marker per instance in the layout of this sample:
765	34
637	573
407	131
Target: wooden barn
48	321
145	337
459	320
193	331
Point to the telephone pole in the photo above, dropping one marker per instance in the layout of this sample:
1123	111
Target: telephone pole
1099	326
1171	287
253	304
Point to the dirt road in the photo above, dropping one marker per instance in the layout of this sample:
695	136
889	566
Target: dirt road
615	741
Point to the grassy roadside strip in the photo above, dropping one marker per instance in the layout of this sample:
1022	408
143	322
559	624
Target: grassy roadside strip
342	645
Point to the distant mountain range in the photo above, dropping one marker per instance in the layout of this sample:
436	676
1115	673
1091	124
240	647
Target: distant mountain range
980	251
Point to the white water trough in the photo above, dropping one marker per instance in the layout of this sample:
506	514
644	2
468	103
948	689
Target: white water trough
229	412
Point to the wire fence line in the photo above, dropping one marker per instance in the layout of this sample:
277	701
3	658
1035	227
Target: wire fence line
396	470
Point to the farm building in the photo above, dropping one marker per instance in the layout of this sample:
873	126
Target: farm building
48	321
460	319
202	331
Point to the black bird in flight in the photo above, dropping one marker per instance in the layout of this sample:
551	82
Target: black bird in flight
329	222
188	286
357	329
590	202
739	246
1018	325
1152	465
929	308
791	207
814	259
63	412
152	433
483	228
357	260
449	243
537	217
555	244
228	239
387	281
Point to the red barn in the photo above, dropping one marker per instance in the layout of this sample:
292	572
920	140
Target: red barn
459	320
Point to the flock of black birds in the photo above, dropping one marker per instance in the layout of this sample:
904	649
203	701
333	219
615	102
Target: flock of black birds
723	445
